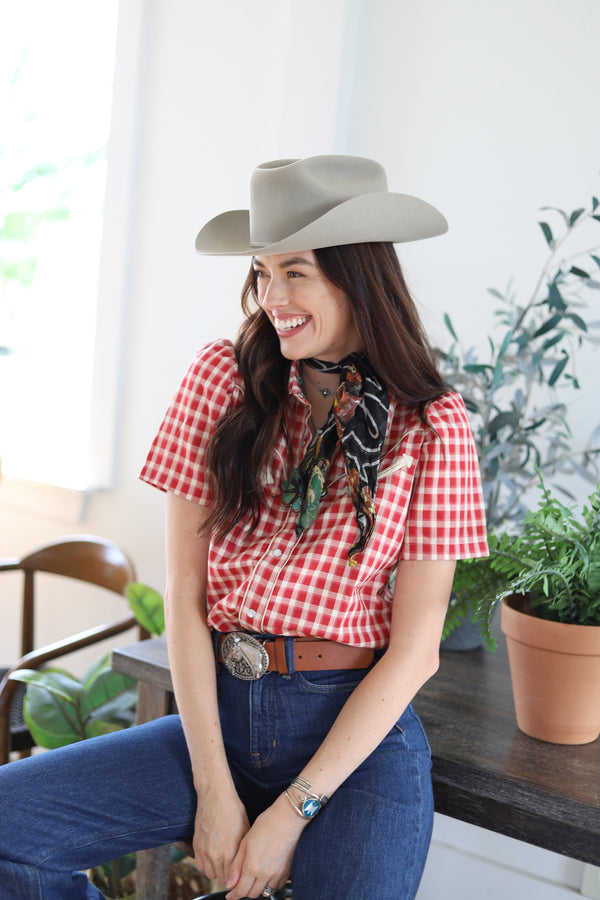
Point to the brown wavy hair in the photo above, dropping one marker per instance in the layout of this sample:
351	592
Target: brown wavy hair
394	342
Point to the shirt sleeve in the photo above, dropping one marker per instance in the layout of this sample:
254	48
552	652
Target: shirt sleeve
211	387
446	519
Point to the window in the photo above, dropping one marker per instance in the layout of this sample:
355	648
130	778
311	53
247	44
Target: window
56	68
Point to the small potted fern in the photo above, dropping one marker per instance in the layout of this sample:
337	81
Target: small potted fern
551	618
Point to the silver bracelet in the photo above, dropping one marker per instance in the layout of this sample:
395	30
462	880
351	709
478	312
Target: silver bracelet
304	800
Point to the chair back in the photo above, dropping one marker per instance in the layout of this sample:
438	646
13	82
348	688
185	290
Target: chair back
84	558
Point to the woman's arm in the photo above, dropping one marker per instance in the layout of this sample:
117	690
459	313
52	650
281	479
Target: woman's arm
420	601
221	820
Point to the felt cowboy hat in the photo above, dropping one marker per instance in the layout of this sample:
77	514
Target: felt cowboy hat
321	201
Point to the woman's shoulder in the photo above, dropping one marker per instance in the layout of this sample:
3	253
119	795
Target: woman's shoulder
448	409
214	366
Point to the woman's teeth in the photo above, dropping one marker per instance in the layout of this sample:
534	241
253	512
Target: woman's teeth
288	324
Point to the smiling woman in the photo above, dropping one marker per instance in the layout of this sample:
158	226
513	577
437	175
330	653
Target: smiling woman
321	482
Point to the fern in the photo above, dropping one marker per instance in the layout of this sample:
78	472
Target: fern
555	559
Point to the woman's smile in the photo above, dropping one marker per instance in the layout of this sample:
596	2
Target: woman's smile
287	326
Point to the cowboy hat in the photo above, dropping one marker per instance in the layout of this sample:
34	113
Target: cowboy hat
321	201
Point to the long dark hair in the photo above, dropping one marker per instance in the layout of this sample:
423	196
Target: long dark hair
393	341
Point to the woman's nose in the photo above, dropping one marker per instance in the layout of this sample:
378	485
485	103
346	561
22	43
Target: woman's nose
273	295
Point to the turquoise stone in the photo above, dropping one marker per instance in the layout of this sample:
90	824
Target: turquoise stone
310	808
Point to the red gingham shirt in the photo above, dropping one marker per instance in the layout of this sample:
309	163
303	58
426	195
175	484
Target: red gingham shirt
429	506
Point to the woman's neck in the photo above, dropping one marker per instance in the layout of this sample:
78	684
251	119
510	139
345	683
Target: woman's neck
319	389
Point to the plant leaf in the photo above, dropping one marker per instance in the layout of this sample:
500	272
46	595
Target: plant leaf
51	721
147	606
576	214
474	368
547	233
558	369
103	689
581	273
577	320
57	681
449	326
548	325
97	727
555	299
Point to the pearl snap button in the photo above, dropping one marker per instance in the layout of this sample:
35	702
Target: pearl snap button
251	613
276	552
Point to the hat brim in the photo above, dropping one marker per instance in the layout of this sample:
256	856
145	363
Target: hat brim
397	218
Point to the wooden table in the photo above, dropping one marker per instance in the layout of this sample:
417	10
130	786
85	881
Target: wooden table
485	771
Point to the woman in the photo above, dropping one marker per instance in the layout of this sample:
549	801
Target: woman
321	482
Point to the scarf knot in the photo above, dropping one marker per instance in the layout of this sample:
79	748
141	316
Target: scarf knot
357	421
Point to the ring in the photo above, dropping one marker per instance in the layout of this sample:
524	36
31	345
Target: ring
268	891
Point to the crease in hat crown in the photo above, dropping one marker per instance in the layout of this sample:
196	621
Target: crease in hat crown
320	201
286	195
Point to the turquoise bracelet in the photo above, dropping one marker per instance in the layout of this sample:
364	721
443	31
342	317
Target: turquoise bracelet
305	802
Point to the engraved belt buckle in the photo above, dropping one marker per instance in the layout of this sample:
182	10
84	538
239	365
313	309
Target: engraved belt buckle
244	656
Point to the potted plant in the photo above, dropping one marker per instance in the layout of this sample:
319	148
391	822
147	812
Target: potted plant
515	394
551	618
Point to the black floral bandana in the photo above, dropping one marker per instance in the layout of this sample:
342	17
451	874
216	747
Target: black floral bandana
358	419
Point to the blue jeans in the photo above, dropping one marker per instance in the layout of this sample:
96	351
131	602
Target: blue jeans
74	808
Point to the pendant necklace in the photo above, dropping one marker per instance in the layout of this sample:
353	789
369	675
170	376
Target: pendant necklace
325	392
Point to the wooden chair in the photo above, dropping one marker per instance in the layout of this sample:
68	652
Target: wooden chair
82	557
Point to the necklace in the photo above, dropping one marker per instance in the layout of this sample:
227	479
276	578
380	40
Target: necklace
325	392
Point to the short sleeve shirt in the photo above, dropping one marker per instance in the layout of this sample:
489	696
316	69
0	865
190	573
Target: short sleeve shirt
270	580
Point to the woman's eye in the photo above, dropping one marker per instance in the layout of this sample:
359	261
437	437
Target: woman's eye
294	274
258	274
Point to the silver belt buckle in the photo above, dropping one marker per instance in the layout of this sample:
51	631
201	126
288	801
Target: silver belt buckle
244	656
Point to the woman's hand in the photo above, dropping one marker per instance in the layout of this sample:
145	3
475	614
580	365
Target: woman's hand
266	852
220	826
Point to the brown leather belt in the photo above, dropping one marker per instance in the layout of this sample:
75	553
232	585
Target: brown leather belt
239	652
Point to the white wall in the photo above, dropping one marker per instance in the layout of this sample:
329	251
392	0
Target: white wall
488	110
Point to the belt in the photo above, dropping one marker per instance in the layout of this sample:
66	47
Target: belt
250	658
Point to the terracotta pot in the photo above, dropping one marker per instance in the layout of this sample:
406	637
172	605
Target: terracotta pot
555	672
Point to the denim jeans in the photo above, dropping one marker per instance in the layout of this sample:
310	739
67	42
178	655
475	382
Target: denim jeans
70	809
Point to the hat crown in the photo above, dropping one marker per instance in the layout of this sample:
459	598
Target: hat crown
286	195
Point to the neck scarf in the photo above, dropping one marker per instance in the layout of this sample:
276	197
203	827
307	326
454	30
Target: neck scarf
358	420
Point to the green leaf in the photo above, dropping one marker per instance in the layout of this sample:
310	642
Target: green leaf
147	606
475	368
22	270
548	325
51	721
558	369
577	320
58	682
575	215
595	203
581	273
547	233
102	689
553	340
23	226
97	727
449	326
555	300
596	259
503	419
